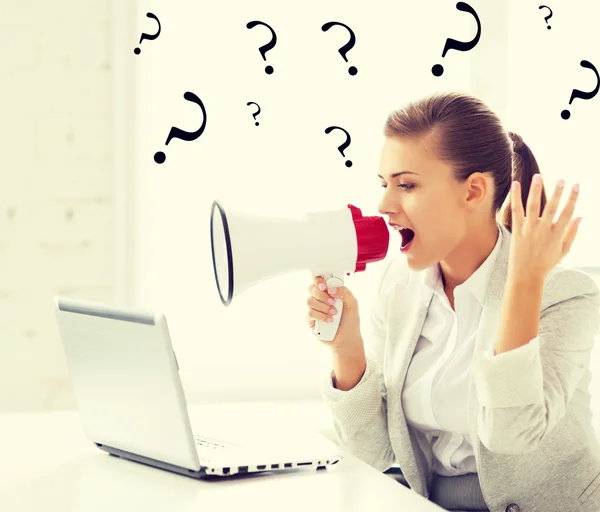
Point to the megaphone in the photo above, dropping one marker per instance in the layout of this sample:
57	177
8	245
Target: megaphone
248	249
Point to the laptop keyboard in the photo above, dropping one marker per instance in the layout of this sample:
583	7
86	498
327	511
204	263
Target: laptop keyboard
212	449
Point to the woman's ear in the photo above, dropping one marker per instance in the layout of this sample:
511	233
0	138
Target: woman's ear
480	189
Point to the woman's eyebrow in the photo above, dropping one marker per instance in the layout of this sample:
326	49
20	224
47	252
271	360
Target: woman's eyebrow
398	174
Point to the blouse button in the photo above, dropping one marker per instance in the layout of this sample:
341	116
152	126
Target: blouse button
513	507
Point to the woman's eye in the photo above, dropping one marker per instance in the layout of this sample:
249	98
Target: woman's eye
402	185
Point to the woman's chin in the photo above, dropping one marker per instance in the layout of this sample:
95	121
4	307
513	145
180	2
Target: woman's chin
416	264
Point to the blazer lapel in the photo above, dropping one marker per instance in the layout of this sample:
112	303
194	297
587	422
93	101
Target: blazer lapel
406	319
488	329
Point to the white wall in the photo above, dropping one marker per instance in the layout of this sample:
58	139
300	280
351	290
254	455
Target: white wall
544	69
57	198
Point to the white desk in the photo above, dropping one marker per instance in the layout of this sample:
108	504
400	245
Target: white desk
47	464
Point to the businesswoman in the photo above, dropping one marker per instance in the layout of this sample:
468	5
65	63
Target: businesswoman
471	371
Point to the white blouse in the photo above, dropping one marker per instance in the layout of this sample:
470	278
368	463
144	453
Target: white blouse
434	396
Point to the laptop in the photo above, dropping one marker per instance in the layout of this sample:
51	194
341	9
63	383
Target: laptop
132	405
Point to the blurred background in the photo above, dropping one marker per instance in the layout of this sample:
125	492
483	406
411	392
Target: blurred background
86	212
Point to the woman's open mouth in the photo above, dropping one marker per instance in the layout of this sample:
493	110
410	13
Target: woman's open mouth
408	236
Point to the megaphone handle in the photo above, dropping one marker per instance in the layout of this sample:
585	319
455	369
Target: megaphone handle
326	331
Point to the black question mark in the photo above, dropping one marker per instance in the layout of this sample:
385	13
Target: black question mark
565	114
176	133
265	48
547	17
453	44
148	36
255	113
344	145
347	47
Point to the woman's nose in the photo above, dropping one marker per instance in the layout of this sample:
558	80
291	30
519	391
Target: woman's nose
386	207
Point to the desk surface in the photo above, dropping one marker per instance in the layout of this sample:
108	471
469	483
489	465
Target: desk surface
47	464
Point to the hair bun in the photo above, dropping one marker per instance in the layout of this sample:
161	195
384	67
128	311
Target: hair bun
516	140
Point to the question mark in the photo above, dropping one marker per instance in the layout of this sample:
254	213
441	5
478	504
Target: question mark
453	44
265	48
148	36
347	47
565	114
547	17
344	145
176	133
255	113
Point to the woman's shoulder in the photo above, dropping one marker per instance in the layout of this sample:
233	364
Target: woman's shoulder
564	282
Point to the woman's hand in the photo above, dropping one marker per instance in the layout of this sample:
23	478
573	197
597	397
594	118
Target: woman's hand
348	340
538	243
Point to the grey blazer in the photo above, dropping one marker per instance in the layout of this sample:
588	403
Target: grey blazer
534	442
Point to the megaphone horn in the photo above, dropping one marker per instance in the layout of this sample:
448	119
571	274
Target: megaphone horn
248	249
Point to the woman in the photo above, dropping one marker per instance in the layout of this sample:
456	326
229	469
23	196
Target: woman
471	374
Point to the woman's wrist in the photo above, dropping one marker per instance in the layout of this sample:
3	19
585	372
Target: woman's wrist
348	369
